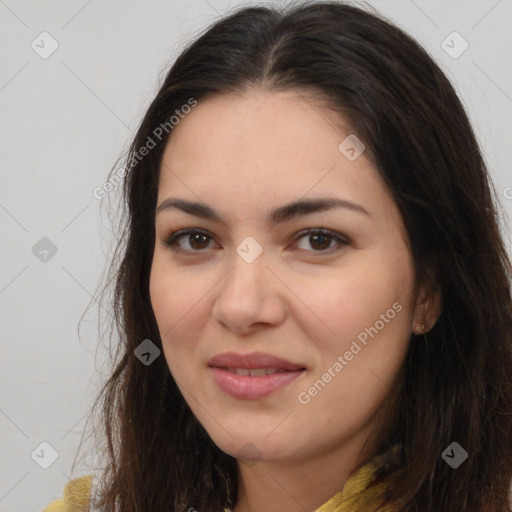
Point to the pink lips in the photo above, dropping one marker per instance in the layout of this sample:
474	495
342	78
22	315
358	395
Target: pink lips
252	387
252	360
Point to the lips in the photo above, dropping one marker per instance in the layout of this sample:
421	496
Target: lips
252	376
252	361
253	372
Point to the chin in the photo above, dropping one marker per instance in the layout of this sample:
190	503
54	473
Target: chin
252	445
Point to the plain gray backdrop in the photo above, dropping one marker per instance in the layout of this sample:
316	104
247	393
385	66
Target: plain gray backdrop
68	112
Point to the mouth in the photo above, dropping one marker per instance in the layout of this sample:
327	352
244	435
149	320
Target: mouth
253	361
252	376
254	372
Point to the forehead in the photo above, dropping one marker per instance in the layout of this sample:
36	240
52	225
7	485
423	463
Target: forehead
248	131
263	147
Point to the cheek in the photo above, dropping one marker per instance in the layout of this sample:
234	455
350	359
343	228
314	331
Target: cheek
369	315
354	300
174	293
369	325
175	301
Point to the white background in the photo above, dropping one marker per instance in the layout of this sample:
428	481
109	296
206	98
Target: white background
66	119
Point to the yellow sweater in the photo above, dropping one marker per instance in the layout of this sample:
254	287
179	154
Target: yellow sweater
75	496
350	499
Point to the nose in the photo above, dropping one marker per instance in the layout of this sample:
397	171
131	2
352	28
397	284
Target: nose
249	297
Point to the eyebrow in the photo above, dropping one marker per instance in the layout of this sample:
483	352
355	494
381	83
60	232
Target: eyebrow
275	216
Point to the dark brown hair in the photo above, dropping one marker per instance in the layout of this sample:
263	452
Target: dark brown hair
456	383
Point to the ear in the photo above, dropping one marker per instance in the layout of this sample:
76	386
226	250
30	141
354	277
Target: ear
427	309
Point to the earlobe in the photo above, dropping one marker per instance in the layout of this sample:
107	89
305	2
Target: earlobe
427	311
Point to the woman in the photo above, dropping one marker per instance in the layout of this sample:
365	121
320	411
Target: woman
314	298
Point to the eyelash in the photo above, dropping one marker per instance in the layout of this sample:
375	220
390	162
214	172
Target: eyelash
173	238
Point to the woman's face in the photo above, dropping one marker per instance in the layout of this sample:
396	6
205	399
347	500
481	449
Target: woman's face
337	308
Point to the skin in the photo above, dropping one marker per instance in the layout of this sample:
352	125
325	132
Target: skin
301	299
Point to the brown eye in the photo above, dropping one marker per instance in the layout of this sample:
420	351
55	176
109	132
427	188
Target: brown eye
321	239
196	240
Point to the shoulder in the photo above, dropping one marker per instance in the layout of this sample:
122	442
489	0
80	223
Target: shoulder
75	497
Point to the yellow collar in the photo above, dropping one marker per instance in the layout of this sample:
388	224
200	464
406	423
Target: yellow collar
353	497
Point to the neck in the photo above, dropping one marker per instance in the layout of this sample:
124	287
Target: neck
298	484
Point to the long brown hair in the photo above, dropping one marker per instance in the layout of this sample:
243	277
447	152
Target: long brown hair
456	384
